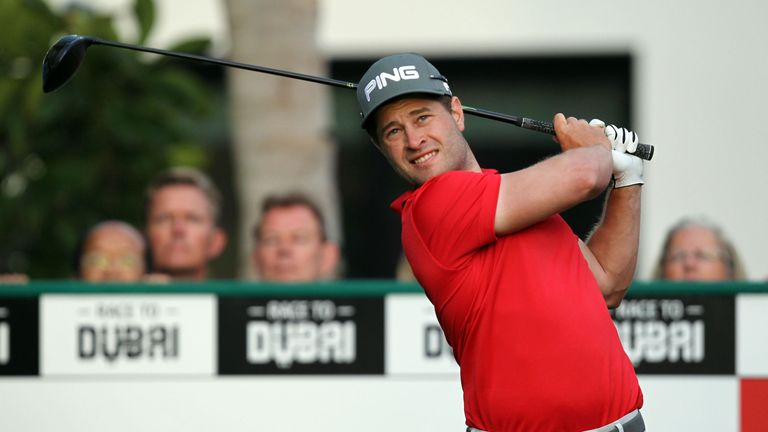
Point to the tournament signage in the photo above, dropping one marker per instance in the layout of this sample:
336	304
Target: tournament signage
752	339
128	334
691	334
19	351
301	335
415	342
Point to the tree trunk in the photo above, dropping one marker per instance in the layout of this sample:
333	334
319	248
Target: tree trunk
280	125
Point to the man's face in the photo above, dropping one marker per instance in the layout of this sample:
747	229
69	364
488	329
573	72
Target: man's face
695	254
422	139
181	231
290	247
112	254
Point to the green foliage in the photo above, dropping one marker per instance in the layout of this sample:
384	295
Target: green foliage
85	152
145	15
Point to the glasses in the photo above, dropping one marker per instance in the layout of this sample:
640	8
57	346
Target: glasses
98	261
272	240
703	255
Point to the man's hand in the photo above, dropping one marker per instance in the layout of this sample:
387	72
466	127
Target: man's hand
627	169
574	133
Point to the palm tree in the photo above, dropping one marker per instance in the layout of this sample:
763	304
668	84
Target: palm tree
280	125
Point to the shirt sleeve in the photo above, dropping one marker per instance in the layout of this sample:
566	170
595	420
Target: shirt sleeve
455	213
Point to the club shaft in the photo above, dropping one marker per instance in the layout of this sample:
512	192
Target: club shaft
644	151
250	67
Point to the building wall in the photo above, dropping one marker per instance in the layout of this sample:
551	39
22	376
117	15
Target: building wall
699	83
699	88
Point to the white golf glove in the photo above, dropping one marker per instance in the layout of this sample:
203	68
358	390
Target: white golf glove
627	169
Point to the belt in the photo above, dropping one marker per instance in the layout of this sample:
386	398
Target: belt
632	422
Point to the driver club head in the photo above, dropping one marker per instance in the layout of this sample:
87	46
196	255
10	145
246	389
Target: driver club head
62	60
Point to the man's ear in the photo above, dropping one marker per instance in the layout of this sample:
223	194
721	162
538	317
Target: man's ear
457	112
330	260
254	255
218	243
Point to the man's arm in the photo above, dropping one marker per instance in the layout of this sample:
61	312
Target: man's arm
556	184
611	250
578	174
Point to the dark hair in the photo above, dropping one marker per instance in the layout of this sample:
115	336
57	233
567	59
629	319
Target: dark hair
191	177
291	199
370	124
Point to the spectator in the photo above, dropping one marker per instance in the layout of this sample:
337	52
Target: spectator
696	249
403	271
182	225
113	251
291	243
13	278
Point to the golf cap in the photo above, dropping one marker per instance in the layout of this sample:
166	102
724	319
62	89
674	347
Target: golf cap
398	75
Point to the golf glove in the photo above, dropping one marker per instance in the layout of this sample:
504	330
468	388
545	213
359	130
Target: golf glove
627	169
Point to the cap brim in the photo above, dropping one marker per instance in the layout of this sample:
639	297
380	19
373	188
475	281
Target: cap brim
395	97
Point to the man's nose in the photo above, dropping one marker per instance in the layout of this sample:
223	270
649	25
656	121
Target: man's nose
690	261
284	247
111	271
416	137
179	226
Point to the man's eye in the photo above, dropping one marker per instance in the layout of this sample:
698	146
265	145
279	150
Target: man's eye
161	219
303	238
195	218
269	241
392	132
422	118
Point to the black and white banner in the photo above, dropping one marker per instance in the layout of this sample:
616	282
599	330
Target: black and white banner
415	342
691	334
202	334
19	340
128	335
301	335
752	335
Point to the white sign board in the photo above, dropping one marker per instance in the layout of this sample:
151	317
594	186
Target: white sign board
415	344
128	335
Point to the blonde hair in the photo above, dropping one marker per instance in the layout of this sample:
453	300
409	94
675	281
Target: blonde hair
190	177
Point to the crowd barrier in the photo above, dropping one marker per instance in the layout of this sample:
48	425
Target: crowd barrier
352	355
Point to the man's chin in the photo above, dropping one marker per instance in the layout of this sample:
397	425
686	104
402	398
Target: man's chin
418	180
289	276
177	267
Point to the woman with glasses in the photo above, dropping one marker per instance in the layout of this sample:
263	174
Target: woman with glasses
695	249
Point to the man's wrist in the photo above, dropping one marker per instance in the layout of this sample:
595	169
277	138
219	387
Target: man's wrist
621	182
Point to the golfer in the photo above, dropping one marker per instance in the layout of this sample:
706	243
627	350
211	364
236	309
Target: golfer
522	300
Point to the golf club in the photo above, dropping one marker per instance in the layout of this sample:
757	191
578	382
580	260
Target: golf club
65	56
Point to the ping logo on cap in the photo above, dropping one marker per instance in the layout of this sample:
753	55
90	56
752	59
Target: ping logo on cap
398	73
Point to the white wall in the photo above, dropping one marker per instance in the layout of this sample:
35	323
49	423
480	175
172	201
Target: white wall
700	68
175	20
372	404
231	404
700	72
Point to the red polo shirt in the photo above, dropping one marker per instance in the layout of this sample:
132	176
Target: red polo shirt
523	313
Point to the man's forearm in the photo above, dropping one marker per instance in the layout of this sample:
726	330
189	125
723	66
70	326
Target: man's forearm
615	241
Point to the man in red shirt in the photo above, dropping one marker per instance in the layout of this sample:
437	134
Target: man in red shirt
521	299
